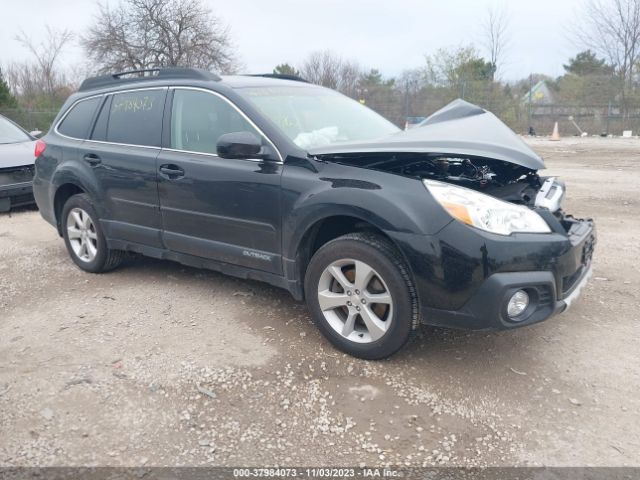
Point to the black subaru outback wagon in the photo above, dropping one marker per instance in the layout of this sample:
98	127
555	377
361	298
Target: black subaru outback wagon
293	184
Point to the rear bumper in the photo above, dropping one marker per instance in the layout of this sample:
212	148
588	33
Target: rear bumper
16	195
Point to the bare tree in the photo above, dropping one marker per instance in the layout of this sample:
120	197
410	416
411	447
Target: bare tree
412	80
139	34
328	69
349	75
46	55
40	80
322	68
612	29
495	35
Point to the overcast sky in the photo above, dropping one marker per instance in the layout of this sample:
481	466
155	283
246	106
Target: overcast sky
389	35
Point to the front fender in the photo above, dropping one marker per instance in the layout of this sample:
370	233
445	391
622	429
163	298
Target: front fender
391	203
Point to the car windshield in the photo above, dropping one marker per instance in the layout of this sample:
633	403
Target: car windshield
10	133
313	116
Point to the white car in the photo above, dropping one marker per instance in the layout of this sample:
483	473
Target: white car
17	158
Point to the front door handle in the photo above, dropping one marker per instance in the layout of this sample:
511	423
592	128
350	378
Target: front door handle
171	171
92	159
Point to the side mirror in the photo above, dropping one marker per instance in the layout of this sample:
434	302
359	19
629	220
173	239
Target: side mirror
239	145
35	133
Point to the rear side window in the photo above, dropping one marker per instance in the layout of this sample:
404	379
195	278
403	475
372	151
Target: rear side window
136	118
77	122
198	119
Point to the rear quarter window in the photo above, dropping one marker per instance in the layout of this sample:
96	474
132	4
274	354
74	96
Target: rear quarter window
76	123
135	118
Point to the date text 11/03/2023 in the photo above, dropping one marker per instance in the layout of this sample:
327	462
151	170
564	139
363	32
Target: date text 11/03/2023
322	472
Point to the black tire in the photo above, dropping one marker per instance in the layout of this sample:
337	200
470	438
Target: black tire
105	259
378	253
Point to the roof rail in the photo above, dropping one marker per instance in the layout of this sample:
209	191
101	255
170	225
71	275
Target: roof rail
282	76
132	76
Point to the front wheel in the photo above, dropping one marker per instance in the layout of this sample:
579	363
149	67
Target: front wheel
361	296
84	239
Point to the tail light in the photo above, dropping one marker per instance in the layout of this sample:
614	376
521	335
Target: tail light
40	148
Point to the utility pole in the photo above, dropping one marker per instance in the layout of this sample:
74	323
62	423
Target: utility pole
530	100
406	99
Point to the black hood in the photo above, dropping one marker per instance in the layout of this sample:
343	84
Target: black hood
459	128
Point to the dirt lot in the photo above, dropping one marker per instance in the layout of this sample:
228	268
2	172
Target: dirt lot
159	364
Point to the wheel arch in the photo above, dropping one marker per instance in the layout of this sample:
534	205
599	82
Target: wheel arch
326	228
70	180
60	197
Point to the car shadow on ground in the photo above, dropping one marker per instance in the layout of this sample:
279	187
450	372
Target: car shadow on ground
476	352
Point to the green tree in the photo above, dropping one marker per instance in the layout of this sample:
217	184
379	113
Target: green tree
379	94
476	69
461	73
587	63
6	97
372	78
286	69
612	29
588	80
452	67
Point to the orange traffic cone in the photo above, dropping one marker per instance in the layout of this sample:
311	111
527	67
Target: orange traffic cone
555	136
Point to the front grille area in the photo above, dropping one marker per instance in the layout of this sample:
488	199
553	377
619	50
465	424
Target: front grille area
545	296
20	200
12	175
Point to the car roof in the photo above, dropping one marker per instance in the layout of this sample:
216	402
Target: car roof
247	81
183	76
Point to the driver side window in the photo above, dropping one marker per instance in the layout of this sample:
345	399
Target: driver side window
198	119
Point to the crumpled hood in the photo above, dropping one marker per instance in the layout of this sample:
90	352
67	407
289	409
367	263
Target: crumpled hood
17	154
459	128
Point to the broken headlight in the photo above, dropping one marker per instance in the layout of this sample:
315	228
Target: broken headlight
485	212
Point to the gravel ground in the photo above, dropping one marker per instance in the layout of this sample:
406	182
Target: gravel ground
159	364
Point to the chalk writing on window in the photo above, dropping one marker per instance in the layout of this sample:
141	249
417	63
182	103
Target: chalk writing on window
132	104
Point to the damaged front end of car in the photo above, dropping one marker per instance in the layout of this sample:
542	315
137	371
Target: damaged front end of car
524	258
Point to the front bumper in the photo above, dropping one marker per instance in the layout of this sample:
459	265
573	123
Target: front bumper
16	195
465	277
486	310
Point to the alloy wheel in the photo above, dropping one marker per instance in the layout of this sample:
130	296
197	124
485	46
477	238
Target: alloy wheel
355	300
82	234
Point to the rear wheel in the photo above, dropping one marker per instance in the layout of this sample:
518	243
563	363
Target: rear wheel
83	236
361	295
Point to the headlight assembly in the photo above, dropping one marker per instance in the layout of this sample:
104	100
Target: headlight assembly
484	211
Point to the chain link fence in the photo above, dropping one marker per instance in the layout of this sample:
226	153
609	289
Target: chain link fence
572	120
579	105
29	119
585	110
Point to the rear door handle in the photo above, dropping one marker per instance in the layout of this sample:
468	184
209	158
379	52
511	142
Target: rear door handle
171	171
92	159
